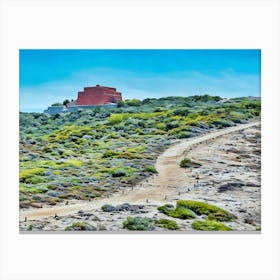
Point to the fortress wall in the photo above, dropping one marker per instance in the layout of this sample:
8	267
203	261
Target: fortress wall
59	109
98	95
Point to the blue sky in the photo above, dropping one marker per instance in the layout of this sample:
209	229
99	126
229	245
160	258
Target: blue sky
48	76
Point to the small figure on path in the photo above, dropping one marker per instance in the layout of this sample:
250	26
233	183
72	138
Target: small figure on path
147	200
197	177
165	198
55	215
25	219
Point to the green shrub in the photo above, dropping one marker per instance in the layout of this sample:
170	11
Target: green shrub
80	226
160	126
151	169
133	102
30	227
121	171
200	208
25	174
181	112
138	223
208	225
74	162
187	163
220	123
178	212
168	224
129	155
116	118
121	104
110	153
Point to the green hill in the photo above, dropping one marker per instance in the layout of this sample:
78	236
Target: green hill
90	153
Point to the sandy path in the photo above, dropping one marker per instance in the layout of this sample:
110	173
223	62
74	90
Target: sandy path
170	180
170	173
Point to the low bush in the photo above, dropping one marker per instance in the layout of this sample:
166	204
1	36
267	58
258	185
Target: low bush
151	169
208	225
80	226
24	175
178	212
128	155
74	162
200	208
110	153
181	112
108	208
168	224
138	223
187	163
121	171
30	227
133	102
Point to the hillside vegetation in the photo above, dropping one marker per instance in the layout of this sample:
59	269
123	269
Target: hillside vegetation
90	153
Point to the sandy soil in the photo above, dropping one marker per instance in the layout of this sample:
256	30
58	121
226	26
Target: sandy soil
229	177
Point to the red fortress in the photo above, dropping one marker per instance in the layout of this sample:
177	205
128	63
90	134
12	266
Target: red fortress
98	95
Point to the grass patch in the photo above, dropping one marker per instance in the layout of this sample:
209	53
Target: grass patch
24	175
138	149
208	225
187	163
32	189
138	223
109	153
178	212
151	169
200	208
66	132
118	118
168	224
121	171
74	162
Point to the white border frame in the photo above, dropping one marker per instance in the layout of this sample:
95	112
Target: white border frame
134	24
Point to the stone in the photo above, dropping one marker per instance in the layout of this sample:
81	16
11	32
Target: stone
231	186
123	207
36	197
54	193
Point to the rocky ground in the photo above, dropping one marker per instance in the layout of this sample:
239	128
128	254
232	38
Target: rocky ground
229	177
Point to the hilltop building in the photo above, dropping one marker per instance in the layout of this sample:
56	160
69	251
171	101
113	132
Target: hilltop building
90	97
98	96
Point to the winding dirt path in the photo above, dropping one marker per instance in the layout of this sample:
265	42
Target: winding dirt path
170	180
